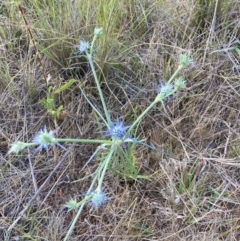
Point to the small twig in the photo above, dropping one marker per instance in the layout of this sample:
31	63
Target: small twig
37	193
34	45
220	195
32	173
212	29
4	136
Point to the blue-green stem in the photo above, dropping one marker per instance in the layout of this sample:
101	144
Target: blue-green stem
74	221
89	57
89	196
92	44
94	108
57	140
83	202
180	67
105	166
158	98
142	115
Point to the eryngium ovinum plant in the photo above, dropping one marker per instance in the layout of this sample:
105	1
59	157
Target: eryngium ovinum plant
119	134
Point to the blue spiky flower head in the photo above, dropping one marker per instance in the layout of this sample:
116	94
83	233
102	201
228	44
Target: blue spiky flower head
165	89
44	139
98	198
83	46
117	131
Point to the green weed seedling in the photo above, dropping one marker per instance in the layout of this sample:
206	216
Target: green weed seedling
186	182
49	102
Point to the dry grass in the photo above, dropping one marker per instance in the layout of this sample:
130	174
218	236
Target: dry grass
194	192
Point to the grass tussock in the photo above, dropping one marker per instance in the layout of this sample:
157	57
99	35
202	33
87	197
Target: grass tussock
190	190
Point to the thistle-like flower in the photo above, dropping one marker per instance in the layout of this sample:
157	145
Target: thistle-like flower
45	139
117	131
184	60
83	46
98	198
17	147
179	83
72	204
98	31
165	89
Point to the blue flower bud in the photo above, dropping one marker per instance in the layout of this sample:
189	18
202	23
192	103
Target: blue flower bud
83	46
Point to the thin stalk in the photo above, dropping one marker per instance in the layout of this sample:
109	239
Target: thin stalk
57	140
90	103
142	115
158	99
180	67
76	217
92	44
89	57
88	197
105	164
